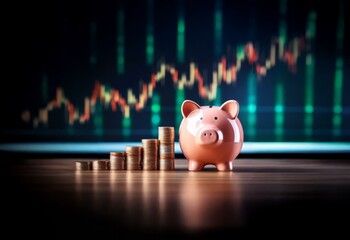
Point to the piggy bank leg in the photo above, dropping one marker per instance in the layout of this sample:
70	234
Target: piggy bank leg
228	166
195	166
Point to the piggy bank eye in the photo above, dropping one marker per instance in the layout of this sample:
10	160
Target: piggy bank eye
201	118
216	118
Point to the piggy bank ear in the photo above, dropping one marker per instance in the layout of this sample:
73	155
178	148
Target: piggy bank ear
231	107
187	107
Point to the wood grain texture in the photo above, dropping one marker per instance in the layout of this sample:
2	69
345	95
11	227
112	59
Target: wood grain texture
260	195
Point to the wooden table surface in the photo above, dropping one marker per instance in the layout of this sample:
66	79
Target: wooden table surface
48	197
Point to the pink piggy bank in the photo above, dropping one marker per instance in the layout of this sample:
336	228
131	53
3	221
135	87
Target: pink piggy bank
210	135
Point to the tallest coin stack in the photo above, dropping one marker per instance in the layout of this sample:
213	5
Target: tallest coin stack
166	137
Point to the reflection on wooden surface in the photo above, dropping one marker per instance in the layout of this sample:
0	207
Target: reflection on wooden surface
257	193
175	199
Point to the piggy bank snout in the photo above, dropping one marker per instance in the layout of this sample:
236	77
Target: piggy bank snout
208	136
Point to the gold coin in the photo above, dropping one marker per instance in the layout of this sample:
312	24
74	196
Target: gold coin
133	150
117	154
83	165
100	165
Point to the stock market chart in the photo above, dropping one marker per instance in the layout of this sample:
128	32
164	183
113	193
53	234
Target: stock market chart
116	70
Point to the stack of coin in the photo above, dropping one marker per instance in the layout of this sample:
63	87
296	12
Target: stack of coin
117	160
166	136
150	154
84	165
100	165
133	157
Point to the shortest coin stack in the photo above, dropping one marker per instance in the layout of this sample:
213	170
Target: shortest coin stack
150	154
133	157
100	165
117	161
80	166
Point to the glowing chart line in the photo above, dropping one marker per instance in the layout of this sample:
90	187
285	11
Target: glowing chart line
225	72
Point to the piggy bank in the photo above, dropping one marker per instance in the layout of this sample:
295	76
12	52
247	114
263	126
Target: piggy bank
210	135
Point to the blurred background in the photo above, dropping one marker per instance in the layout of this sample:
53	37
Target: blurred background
113	71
